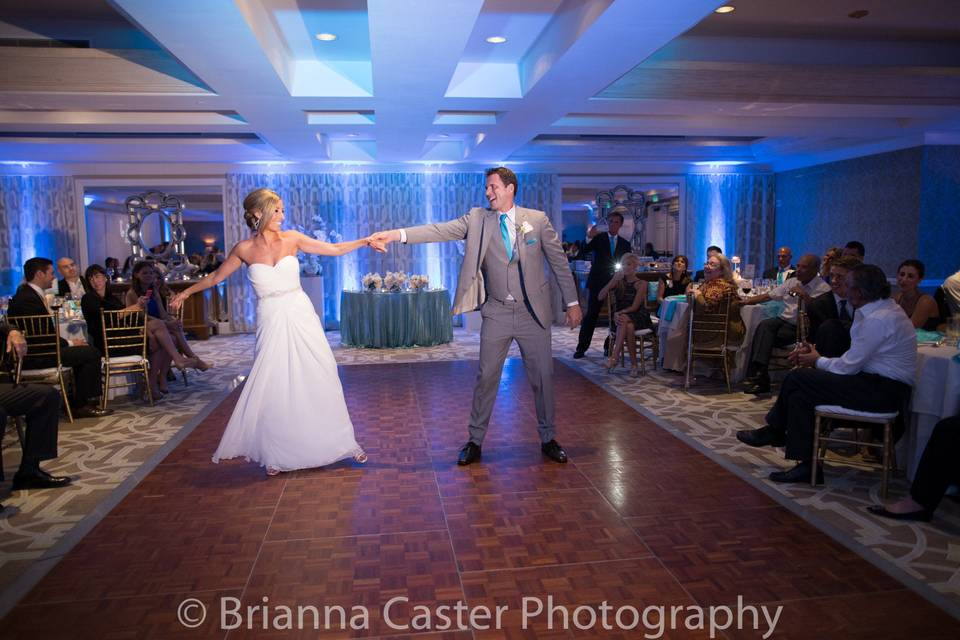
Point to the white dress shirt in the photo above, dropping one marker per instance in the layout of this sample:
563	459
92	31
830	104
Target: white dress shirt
814	288
76	288
951	290
882	341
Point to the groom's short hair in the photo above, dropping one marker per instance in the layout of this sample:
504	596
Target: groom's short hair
506	176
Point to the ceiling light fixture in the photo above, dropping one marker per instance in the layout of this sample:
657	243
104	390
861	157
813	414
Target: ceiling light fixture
725	9
326	37
496	39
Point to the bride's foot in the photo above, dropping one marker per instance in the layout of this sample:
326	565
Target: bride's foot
273	471
361	458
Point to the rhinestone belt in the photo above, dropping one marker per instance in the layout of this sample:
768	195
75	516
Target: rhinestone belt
277	294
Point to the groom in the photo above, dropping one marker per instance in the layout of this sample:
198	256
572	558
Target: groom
502	274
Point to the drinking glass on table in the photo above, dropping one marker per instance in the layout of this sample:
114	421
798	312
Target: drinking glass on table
953	330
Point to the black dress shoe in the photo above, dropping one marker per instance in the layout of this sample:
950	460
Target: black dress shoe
757	386
91	412
578	354
800	473
39	480
554	451
921	516
469	454
762	437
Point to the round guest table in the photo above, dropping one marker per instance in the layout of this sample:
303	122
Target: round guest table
395	319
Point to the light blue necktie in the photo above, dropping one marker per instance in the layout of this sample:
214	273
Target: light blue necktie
505	232
613	245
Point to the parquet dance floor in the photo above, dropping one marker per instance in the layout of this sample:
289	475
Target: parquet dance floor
638	530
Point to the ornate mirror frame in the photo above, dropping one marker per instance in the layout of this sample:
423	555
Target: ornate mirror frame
170	208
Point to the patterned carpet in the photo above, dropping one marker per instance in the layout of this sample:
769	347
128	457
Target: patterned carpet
108	457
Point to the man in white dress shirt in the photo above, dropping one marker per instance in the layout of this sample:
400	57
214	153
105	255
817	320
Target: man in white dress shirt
875	374
804	285
71	283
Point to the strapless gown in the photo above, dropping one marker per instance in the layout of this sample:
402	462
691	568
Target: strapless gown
291	413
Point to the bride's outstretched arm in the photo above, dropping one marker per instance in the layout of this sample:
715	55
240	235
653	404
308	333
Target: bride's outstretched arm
320	248
231	264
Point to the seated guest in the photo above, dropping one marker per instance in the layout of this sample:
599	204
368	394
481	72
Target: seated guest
856	249
919	307
951	293
830	313
783	268
161	348
112	263
674	283
712	250
938	469
649	251
128	266
29	300
876	374
71	283
145	279
782	331
630	313
717	287
832	254
40	404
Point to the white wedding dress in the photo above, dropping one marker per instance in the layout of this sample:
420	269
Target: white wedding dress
291	413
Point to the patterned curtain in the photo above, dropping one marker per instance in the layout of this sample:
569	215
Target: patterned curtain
736	212
358	204
38	217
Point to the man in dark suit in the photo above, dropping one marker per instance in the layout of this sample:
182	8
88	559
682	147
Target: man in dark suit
40	405
830	313
71	283
783	269
29	300
607	249
712	250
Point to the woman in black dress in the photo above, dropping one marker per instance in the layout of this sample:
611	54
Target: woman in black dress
630	313
674	283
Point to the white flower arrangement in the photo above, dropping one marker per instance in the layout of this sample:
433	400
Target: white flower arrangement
310	264
524	228
372	282
419	281
393	281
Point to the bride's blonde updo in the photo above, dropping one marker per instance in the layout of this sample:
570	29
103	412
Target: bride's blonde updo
259	201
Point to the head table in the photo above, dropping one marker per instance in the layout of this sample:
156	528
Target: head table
380	320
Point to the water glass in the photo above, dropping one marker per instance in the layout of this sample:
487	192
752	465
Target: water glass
953	330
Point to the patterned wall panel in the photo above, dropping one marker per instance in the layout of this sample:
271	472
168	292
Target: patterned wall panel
875	199
939	227
735	212
357	204
38	217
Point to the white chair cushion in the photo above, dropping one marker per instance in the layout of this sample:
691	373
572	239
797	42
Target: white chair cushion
39	373
835	408
643	332
125	360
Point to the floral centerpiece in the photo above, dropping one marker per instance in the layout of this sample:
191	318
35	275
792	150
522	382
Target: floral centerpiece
394	281
372	282
419	281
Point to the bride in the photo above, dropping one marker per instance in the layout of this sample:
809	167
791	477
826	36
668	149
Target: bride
291	413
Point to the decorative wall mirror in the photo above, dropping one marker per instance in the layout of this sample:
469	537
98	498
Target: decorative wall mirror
155	228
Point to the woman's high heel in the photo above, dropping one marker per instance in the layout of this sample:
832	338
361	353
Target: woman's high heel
273	471
611	365
360	458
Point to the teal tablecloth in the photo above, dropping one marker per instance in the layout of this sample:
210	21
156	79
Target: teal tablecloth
402	319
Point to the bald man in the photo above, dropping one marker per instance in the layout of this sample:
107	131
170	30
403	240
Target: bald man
71	283
784	269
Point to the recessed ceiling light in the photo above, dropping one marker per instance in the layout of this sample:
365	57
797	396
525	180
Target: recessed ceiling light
496	39
444	135
352	135
326	37
725	9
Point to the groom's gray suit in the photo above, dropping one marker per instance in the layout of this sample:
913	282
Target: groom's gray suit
513	296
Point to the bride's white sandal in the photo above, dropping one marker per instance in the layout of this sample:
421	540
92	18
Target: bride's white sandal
273	471
361	458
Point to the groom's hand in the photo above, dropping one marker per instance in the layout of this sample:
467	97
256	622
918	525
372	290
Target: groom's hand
574	316
386	237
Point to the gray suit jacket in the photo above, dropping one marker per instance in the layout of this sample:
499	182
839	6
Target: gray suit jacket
478	228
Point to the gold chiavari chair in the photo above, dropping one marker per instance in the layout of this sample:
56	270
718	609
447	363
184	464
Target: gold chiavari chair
706	328
43	347
125	350
644	337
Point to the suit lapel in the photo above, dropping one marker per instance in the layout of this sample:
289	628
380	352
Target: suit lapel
486	234
518	242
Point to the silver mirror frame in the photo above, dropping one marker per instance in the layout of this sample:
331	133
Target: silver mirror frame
139	208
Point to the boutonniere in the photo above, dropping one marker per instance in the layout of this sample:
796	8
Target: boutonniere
524	229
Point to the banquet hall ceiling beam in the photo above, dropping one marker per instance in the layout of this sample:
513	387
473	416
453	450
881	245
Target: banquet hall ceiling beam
622	36
214	39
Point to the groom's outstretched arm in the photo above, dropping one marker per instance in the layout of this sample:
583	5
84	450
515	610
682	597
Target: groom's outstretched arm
434	232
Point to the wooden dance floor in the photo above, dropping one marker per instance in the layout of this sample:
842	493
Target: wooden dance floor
636	523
